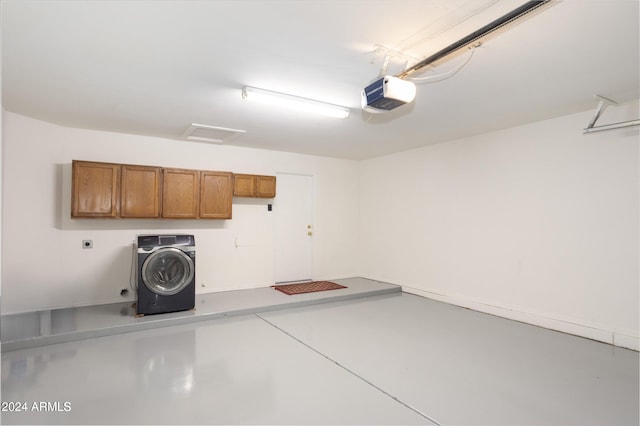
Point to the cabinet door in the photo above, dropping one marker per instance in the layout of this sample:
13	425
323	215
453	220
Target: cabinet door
180	193
216	191
140	192
244	185
95	189
265	186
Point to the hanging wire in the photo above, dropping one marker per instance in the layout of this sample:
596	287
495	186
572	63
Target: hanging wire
429	32
445	75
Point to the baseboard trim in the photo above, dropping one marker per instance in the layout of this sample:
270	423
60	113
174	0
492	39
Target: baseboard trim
622	338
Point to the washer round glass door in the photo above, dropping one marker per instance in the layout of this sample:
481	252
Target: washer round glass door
167	271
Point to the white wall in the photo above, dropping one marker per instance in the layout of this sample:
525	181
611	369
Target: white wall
44	265
537	223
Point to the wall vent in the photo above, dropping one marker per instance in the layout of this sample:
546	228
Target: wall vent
210	134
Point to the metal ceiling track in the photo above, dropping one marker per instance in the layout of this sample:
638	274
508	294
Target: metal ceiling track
602	104
477	36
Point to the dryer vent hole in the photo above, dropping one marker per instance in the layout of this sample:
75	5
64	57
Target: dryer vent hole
124	292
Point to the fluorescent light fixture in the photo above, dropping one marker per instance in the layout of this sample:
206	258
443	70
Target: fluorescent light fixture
294	102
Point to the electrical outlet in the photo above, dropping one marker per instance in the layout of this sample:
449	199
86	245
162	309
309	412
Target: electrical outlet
87	244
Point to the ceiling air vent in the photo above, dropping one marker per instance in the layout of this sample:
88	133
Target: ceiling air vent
210	134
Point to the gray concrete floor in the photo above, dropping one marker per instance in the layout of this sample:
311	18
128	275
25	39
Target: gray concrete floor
30	329
384	359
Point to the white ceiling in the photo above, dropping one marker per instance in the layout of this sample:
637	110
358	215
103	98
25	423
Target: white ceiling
155	67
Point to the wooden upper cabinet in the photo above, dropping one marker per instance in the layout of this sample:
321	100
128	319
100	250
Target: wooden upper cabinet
180	193
140	191
216	193
95	189
266	186
133	191
244	185
254	186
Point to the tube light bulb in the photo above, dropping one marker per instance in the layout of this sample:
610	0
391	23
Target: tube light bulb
294	102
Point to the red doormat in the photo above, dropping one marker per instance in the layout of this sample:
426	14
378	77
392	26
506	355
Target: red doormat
307	287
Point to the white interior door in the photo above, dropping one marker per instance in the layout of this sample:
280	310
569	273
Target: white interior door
294	227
